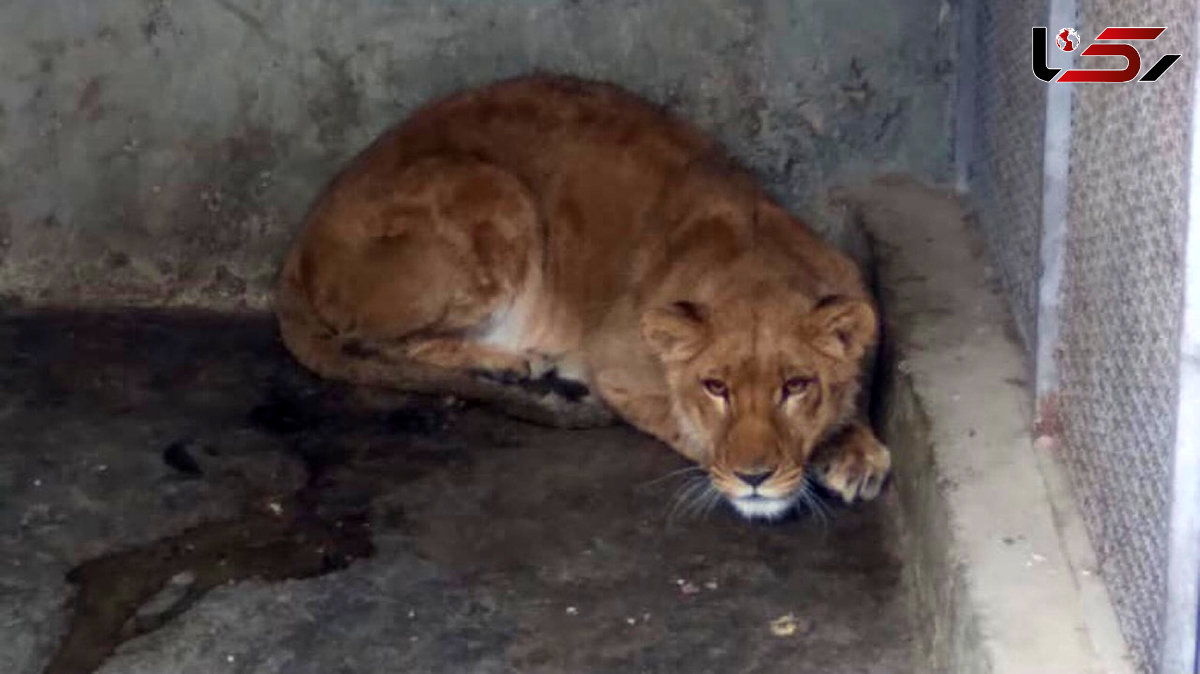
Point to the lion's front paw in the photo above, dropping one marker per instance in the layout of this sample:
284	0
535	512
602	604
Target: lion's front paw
855	467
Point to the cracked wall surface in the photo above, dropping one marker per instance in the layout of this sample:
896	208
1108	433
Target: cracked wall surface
161	153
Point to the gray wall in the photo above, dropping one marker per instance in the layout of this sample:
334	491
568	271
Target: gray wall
162	153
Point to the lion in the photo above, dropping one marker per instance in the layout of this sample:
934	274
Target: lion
568	251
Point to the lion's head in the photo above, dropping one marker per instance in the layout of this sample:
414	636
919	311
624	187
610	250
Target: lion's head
756	385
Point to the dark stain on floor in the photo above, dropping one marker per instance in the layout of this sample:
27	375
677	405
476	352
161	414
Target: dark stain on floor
115	600
551	551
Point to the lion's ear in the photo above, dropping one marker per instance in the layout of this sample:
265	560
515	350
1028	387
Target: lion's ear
846	327
675	332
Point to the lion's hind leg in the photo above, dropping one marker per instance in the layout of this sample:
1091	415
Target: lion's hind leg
393	287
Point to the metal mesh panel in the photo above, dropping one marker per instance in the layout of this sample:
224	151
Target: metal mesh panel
1122	285
1005	174
1122	294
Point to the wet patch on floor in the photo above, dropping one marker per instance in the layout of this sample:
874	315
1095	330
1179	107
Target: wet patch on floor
498	546
127	594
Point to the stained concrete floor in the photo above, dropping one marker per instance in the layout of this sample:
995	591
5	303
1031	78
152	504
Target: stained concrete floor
177	496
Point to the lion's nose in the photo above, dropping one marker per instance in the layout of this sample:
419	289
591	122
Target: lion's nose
754	479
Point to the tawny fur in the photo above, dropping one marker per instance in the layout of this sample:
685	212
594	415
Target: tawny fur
554	222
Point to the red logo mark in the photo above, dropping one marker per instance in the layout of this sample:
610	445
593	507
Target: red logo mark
1068	40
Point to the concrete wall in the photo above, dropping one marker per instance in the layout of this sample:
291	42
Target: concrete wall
162	153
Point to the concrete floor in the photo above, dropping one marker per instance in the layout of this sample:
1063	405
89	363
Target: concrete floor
177	496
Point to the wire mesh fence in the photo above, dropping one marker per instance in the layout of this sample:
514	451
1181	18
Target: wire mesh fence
1004	173
1117	351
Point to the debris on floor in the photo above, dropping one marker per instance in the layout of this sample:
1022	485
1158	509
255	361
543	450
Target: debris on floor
789	625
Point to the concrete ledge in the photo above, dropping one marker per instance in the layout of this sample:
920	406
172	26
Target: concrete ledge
1002	574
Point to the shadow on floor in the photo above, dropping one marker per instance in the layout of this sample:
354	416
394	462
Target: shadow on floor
178	496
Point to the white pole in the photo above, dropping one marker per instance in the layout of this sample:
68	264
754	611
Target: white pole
1056	186
1183	553
967	97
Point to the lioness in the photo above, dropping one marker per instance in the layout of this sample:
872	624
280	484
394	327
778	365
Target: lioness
550	224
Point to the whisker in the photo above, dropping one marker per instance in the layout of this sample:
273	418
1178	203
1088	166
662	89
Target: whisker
815	505
714	498
806	497
705	501
813	487
699	501
682	487
674	473
683	496
695	498
805	500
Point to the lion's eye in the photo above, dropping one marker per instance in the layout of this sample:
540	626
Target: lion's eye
715	387
797	386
